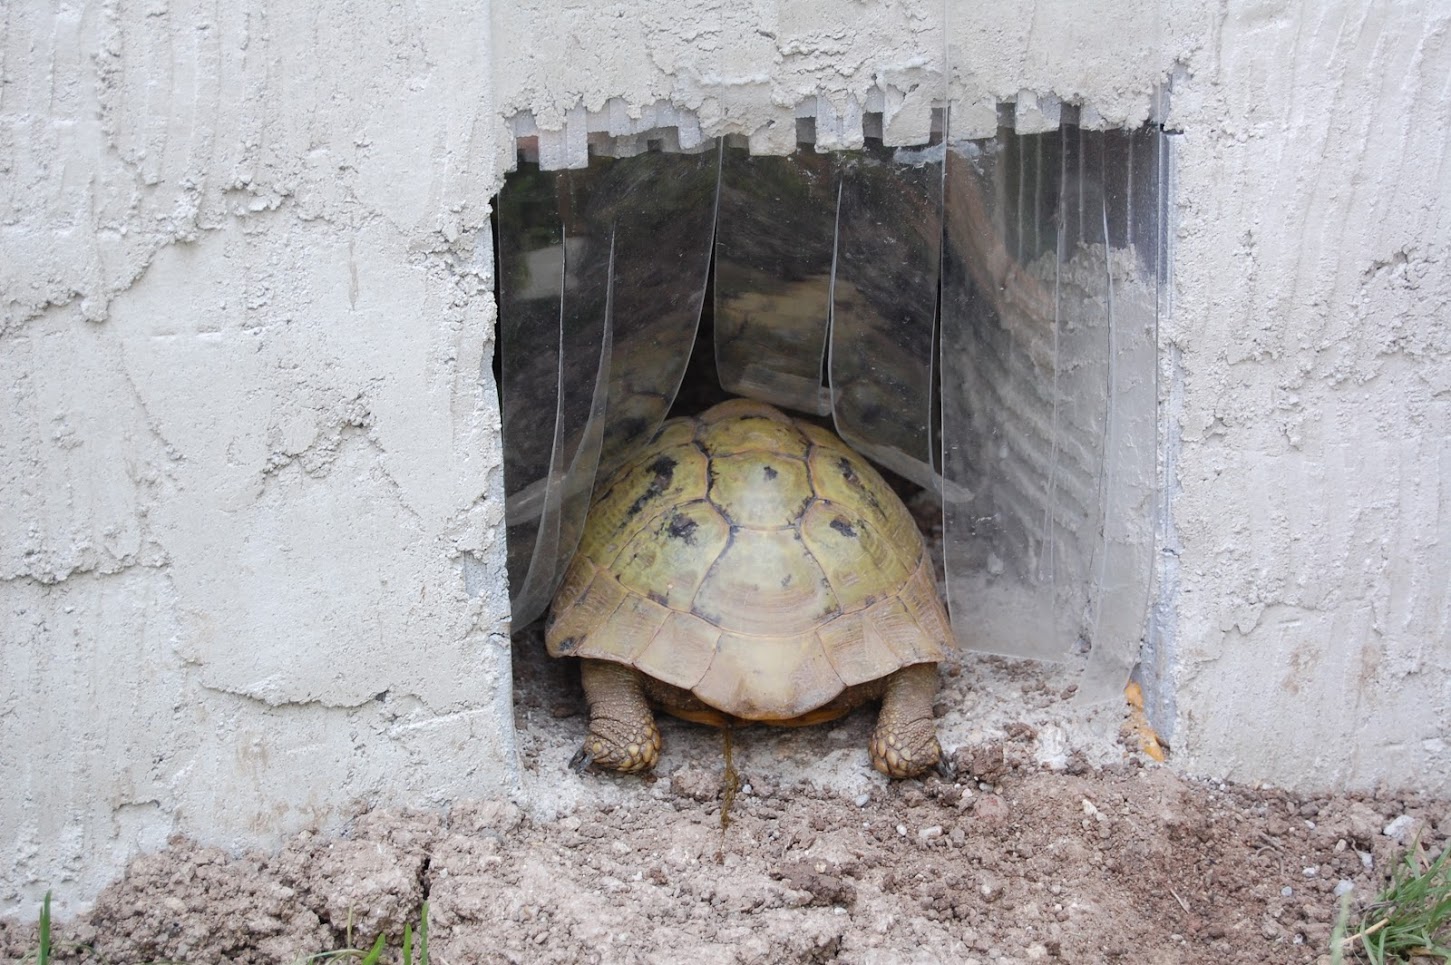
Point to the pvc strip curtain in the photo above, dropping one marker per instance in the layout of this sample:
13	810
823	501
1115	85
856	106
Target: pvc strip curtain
827	263
602	274
1050	295
1030	408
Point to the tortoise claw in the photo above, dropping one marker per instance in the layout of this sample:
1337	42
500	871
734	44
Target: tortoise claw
944	767
581	760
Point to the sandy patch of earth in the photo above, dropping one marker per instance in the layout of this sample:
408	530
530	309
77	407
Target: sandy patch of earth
1017	861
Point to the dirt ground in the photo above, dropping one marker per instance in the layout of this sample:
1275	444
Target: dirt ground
1030	855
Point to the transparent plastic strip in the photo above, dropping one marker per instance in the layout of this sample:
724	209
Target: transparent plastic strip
661	208
1049	311
774	241
570	484
884	304
531	288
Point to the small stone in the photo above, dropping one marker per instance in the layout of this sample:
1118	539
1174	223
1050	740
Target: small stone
862	800
927	834
1344	887
1286	891
991	810
1311	871
1399	829
987	762
695	783
902	830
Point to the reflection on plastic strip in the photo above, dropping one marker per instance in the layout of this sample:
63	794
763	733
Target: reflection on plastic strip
531	290
578	432
1047	339
884	304
772	276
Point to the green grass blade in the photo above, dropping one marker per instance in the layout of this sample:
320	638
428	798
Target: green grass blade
1411	919
423	935
43	953
1337	936
376	952
407	944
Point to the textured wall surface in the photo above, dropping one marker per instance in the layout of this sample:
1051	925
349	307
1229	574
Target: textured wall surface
250	560
1312	333
250	552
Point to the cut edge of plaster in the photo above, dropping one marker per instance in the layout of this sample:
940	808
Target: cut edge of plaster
619	129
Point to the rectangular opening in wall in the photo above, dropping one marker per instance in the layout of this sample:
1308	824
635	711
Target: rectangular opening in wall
977	315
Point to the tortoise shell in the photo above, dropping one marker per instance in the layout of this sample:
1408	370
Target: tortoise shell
755	561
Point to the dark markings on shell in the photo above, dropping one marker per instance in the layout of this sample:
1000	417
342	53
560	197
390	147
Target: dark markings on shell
771	473
855	481
682	527
785	581
664	470
842	526
659	598
568	644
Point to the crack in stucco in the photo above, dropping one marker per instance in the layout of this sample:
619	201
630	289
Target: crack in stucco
294	703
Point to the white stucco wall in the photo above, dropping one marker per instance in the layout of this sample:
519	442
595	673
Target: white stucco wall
250	513
1312	333
250	544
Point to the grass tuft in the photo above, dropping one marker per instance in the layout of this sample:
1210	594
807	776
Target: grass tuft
43	951
415	946
1410	921
414	951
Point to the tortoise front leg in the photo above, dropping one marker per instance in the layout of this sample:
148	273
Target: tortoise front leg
905	741
622	732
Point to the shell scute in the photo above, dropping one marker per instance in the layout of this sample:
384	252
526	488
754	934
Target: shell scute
766	583
858	562
753	431
760	490
671	556
776	680
639	492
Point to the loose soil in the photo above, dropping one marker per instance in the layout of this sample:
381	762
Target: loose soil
1012	862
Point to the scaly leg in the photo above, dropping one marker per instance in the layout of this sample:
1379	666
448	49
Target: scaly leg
622	732
905	741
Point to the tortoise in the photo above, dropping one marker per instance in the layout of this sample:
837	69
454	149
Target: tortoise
744	567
